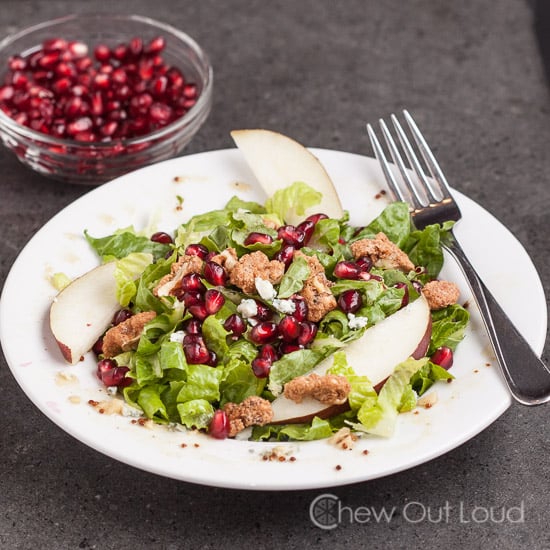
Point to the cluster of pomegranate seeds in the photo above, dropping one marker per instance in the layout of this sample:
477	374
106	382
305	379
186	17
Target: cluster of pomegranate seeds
64	90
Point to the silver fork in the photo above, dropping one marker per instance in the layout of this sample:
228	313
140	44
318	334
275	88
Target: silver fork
430	200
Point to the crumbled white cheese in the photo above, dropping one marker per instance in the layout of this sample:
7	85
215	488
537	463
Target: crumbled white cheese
265	289
128	410
356	322
284	306
177	336
247	308
111	390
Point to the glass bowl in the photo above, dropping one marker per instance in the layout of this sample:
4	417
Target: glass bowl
104	158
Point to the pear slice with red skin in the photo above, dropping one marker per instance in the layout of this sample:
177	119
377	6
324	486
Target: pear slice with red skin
375	354
278	161
83	310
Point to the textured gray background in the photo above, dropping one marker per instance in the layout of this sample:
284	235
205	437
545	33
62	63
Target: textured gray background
316	69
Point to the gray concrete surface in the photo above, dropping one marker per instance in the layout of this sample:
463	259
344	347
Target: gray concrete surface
316	70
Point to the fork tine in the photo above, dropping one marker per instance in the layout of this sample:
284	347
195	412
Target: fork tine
413	160
429	158
414	197
388	174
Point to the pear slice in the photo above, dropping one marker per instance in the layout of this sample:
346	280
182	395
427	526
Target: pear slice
83	310
382	347
278	161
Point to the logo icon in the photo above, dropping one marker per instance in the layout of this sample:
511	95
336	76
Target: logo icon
324	511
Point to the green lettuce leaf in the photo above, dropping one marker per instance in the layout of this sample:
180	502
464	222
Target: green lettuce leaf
196	413
294	277
127	270
379	418
124	242
448	327
295	198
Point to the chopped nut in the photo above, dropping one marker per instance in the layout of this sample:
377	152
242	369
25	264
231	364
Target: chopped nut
329	389
125	336
255	264
253	411
382	252
440	294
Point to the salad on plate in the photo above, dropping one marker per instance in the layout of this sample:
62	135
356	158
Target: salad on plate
275	321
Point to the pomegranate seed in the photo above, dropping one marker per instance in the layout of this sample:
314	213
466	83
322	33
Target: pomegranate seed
159	86
316	217
121	315
78	49
235	324
264	332
301	308
289	347
350	301
49	60
199	311
289	328
102	53
120	52
256	237
190	91
308	331
197	249
62	86
443	357
267	351
111	374
263	312
291	235
54	44
97	348
308	227
212	360
145	69
285	255
191	298
405	287
135	46
156	45
261	367
79	125
102	81
19	80
119	76
214	273
105	365
17	63
213	301
161	113
193	282
195	350
161	237
192	326
6	93
347	270
364	262
108	129
65	69
219	425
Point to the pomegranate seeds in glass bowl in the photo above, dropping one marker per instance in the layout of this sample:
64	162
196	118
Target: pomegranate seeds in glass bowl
86	98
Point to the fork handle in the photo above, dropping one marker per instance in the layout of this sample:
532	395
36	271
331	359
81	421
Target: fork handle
527	377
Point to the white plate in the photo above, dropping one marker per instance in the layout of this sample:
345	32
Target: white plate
206	181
